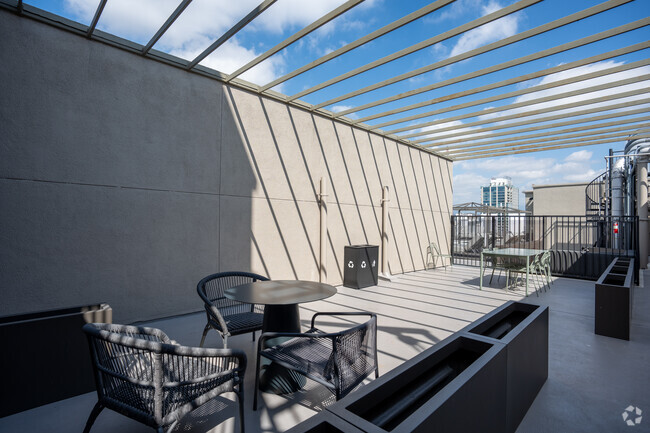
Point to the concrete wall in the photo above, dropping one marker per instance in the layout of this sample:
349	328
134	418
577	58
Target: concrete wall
560	199
123	180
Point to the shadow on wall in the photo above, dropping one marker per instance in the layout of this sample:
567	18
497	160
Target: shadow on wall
289	151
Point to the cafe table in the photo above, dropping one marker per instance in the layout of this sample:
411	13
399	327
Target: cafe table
515	253
281	314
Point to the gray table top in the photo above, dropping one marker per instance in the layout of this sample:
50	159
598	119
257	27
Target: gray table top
512	252
280	292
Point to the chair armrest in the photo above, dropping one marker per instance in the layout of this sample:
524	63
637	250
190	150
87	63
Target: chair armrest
115	332
349	313
224	361
216	315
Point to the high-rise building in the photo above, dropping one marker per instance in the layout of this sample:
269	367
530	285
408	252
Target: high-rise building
500	193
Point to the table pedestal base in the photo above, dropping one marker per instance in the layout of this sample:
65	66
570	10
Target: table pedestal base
273	377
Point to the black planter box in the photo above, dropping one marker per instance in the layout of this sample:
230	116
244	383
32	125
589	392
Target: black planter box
324	422
360	264
458	385
45	356
613	300
523	328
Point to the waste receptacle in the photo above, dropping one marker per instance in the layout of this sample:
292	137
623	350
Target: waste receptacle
360	266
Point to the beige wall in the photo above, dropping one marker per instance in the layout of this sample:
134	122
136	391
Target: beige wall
124	180
560	199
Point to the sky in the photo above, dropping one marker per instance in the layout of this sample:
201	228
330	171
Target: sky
205	20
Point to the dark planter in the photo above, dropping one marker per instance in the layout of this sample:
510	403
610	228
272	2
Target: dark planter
523	328
45	356
613	299
360	264
458	385
324	422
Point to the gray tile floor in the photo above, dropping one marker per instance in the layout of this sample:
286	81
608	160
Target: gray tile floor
592	379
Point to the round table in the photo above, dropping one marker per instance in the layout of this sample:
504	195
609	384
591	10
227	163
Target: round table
280	299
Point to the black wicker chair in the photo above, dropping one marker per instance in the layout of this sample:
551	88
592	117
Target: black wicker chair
142	374
339	360
226	316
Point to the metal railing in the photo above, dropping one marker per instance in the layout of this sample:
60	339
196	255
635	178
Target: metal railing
597	197
581	246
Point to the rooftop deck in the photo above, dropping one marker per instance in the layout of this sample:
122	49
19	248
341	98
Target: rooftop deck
592	379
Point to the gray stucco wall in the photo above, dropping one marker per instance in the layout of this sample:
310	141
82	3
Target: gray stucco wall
123	180
559	199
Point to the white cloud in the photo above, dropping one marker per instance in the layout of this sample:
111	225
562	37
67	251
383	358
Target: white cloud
525	172
467	186
580	155
487	33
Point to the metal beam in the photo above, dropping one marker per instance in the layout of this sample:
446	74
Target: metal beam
569	94
230	33
420	46
98	13
562	139
533	89
589	128
361	41
544	148
629	93
290	40
484	49
502	66
620	105
179	10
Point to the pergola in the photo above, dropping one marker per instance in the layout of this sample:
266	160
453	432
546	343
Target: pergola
478	208
594	120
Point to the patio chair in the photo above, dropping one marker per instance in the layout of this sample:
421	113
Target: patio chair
340	360
142	374
433	251
535	269
226	316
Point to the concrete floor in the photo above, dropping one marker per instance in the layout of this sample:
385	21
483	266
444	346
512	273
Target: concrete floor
592	379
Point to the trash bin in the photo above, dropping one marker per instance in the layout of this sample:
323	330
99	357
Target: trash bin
360	266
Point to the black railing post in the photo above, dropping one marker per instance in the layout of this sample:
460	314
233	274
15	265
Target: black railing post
494	219
453	232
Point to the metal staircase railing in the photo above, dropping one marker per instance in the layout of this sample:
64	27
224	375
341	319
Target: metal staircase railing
597	199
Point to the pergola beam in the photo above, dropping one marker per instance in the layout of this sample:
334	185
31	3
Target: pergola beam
567	138
599	99
161	31
434	143
505	65
533	89
529	102
290	40
93	23
484	49
230	33
544	148
419	46
589	131
361	41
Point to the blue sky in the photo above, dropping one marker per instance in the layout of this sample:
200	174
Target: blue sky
206	20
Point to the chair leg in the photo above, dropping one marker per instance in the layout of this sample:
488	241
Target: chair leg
240	397
257	381
492	276
253	335
205	332
93	416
